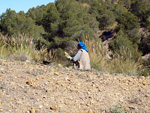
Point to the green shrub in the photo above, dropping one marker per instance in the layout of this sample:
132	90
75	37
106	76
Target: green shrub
59	56
134	35
145	72
141	9
128	21
121	40
144	45
117	109
119	9
145	69
13	23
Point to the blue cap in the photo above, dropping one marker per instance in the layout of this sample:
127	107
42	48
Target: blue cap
83	46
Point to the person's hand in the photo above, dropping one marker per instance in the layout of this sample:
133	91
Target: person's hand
67	55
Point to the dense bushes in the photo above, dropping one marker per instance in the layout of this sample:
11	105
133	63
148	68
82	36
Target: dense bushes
144	46
13	23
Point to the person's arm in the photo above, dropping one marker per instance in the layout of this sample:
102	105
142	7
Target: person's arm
77	56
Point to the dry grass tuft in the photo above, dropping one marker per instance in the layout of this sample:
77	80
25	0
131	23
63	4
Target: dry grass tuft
21	48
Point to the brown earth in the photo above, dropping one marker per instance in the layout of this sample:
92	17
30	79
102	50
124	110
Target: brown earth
35	88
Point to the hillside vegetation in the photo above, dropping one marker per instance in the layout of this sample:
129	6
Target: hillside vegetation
45	32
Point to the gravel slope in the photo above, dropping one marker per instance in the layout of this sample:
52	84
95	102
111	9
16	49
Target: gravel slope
36	88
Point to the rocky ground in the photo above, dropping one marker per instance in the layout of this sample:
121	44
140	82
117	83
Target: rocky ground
35	88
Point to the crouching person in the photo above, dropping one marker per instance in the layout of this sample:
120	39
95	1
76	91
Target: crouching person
81	59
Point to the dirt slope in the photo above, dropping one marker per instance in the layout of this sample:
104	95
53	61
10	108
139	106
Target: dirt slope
31	88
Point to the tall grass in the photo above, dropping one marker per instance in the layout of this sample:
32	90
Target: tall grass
119	63
21	47
126	62
97	53
24	48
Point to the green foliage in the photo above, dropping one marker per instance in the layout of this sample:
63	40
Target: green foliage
90	1
13	23
50	22
146	62
6	20
144	45
125	3
145	72
119	9
37	13
128	21
95	7
61	42
121	41
130	26
104	16
141	9
59	52
145	69
93	24
134	35
63	27
147	23
60	57
117	109
105	19
50	19
72	22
